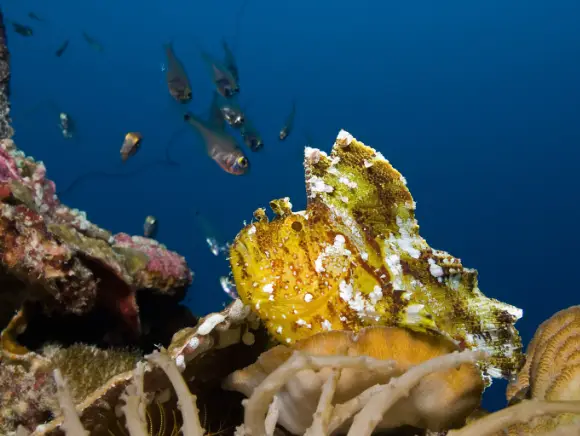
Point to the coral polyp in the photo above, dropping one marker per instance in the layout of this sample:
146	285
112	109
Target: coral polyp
354	258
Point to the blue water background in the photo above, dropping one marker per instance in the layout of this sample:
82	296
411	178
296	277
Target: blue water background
476	103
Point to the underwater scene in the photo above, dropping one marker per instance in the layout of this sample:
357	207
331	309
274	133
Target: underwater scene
258	218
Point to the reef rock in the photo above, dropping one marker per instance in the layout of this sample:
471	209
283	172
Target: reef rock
52	253
414	378
67	261
54	263
65	280
354	258
53	259
205	354
551	371
5	128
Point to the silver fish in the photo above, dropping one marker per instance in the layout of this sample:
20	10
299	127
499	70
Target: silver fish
289	124
232	113
223	79
251	136
229	287
177	80
150	227
221	146
213	245
66	125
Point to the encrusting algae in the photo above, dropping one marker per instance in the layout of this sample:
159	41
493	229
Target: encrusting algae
354	258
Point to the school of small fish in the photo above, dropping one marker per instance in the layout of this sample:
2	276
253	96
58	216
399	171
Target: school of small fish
225	111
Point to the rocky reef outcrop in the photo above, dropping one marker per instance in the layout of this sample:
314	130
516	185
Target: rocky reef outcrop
64	280
66	263
5	127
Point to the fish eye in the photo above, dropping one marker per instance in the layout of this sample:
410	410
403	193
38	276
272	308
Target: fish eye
242	162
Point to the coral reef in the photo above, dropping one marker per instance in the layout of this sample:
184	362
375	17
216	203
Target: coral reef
66	263
64	280
348	321
27	390
359	381
79	362
54	262
170	391
26	394
354	258
57	249
205	354
5	127
551	371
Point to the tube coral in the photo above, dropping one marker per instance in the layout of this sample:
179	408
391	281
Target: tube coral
134	408
134	397
72	424
186	401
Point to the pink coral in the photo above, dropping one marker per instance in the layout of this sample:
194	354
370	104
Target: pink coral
163	265
31	176
8	170
44	188
15	166
31	253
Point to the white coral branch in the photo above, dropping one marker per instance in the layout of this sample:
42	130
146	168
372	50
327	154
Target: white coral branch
272	416
185	400
71	424
134	397
257	405
343	412
22	431
134	408
323	413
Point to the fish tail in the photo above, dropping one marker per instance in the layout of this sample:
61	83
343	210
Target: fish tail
198	44
215	97
168	45
192	119
227	49
238	25
206	56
